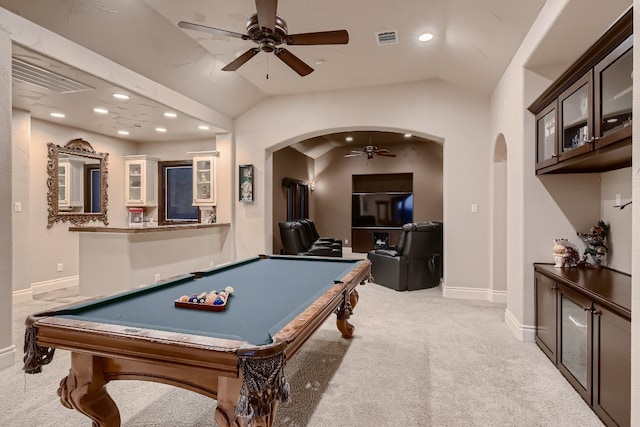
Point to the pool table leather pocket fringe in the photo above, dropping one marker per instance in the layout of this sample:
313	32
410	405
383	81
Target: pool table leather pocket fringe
263	382
35	357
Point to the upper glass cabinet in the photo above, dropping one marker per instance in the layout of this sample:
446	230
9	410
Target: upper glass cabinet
583	119
204	178
141	177
613	88
546	136
576	112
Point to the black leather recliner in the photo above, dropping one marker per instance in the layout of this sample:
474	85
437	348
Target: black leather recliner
297	241
315	236
415	263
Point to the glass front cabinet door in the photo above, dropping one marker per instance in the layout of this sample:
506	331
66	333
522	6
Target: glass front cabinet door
204	178
613	95
576	118
70	184
546	136
575	340
141	178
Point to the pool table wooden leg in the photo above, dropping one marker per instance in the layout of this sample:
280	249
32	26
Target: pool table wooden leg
84	389
228	392
344	312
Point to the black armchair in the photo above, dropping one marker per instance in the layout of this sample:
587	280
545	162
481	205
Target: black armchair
415	263
296	241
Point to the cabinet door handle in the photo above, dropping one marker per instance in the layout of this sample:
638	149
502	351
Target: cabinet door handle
593	139
554	288
596	312
553	156
588	309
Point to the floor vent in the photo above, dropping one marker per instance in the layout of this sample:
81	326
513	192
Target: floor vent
387	37
29	73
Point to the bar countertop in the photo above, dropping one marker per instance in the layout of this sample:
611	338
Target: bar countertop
153	229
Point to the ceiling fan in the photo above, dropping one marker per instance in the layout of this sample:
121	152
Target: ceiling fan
269	31
370	151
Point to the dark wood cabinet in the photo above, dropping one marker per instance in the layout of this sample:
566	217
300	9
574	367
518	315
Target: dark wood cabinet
612	366
583	324
546	315
364	239
583	120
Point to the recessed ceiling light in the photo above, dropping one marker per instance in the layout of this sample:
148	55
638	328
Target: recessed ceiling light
123	132
57	115
319	61
170	115
349	139
121	96
203	127
100	110
161	129
425	37
408	135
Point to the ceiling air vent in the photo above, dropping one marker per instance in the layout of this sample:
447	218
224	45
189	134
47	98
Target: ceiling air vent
29	73
387	37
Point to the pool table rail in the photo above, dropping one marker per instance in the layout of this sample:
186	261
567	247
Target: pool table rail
211	366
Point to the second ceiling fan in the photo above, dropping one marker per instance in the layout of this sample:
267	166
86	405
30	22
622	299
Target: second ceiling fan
269	31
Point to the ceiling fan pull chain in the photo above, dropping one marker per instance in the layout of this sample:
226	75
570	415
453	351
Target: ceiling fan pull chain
267	67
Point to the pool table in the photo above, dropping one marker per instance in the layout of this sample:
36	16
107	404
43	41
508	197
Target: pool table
235	356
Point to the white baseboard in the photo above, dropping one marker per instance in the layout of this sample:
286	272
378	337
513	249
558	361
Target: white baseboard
7	356
525	333
46	286
474	294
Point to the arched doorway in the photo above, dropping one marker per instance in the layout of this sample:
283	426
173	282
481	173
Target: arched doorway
498	273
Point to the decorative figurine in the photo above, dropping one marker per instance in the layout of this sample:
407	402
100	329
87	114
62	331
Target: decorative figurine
565	254
596	247
559	252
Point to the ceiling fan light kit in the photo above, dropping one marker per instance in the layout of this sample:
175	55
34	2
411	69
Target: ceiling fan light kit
269	31
370	151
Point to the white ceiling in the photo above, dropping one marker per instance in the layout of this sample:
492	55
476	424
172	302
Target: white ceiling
474	42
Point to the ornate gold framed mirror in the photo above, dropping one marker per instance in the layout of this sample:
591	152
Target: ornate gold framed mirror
77	183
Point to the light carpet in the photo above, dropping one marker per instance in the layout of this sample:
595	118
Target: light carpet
416	360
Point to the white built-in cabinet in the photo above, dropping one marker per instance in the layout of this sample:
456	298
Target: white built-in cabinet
70	184
141	181
204	178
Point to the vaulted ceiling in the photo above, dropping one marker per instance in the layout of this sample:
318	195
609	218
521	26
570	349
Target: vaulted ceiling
474	40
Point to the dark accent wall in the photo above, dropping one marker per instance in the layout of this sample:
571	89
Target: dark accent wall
330	203
334	172
288	163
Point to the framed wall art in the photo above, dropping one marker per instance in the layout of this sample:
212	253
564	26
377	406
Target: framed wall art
245	181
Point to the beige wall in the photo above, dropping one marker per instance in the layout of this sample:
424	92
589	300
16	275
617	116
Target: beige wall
7	349
334	183
46	247
430	109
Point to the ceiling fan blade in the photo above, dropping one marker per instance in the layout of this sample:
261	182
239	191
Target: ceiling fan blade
294	62
240	60
266	11
386	154
382	150
323	37
353	155
216	31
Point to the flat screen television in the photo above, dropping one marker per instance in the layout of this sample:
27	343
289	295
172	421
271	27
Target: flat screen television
392	209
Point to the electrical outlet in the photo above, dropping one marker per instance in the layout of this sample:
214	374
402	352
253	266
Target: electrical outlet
17	206
157	278
211	264
474	208
60	266
618	200
346	241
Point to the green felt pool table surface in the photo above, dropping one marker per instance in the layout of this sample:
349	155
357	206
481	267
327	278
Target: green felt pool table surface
277	304
268	293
